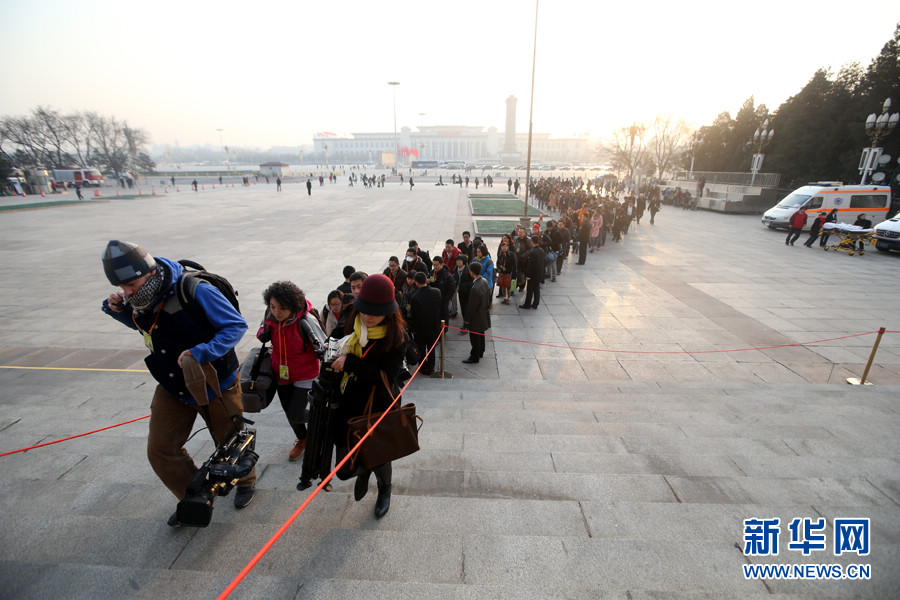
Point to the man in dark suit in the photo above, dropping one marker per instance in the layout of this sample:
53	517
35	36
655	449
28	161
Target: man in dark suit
443	281
467	246
478	313
425	307
534	272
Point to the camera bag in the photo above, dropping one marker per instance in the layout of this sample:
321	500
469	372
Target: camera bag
257	380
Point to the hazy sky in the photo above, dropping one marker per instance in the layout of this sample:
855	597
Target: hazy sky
275	73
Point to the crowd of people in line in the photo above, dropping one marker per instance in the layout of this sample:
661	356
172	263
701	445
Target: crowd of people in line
386	322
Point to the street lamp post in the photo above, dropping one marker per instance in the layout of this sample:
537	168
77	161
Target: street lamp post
394	85
877	127
222	144
695	141
761	137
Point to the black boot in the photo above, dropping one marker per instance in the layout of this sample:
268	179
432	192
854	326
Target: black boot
361	486
383	478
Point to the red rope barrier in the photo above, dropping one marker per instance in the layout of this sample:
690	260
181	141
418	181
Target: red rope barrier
268	545
843	337
72	437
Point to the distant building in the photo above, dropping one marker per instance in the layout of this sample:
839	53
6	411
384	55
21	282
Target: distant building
468	143
272	169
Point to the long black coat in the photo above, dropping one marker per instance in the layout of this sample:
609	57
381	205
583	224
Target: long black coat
478	313
507	263
366	373
425	314
534	265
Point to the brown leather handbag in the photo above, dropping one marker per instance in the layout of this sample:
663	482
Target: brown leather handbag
395	437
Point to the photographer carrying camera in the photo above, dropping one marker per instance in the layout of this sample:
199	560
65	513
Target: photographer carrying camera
377	344
294	360
149	303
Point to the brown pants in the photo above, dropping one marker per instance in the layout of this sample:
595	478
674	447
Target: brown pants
171	422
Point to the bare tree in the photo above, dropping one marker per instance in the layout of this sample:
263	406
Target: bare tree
110	141
79	137
49	127
669	138
628	149
21	133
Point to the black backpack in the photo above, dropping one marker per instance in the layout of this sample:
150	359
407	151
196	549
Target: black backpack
187	284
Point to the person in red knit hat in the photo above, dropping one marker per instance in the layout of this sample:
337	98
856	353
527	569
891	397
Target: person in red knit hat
377	344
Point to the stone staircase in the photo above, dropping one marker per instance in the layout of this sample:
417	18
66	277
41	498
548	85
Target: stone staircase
532	489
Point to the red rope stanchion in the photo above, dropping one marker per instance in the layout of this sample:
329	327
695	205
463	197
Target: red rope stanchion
72	437
843	337
268	545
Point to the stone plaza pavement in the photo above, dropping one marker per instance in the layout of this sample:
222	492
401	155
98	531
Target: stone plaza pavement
609	446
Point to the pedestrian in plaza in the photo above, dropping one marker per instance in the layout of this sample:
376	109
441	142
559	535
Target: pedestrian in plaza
796	224
506	269
78	192
411	184
534	272
466	246
831	218
654	208
463	285
862	221
278	184
596	228
442	280
584	240
509	185
483	256
331	312
294	361
815	228
425	308
517	185
308	187
478	313
396	275
148	303
413	262
376	345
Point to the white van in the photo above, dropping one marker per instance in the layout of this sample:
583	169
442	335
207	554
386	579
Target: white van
849	200
887	234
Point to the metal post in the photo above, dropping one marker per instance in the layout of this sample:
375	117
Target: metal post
862	380
531	112
443	374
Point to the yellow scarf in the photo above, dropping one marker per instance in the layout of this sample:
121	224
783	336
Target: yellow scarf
356	341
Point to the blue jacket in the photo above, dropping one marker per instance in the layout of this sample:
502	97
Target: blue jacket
487	270
176	331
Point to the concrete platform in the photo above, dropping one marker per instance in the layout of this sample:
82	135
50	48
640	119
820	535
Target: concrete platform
610	445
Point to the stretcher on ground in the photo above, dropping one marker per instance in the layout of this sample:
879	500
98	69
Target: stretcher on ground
849	237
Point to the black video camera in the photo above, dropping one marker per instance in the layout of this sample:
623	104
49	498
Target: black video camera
327	349
229	463
323	404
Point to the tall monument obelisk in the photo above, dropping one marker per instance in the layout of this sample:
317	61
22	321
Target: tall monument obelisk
509	152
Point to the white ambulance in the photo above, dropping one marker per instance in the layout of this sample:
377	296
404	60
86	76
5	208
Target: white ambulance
848	200
887	234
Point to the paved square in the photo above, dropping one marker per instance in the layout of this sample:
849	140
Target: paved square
610	445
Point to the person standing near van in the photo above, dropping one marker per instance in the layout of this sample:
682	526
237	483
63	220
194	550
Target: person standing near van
862	221
796	223
815	228
831	218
